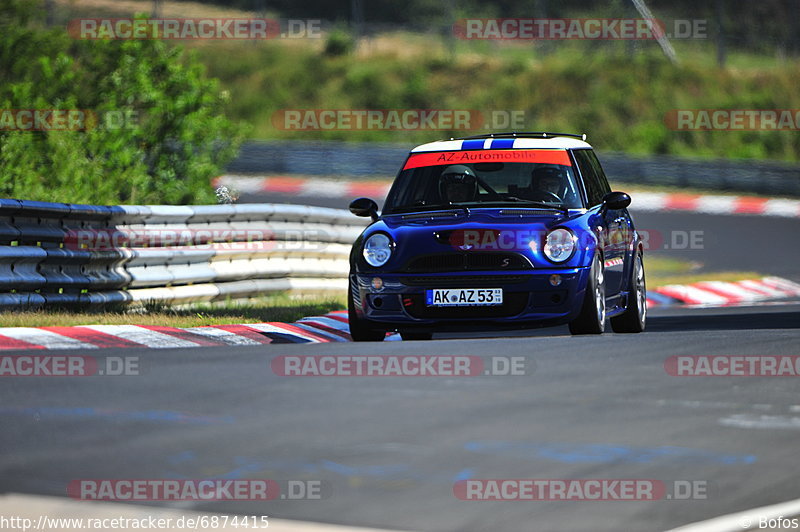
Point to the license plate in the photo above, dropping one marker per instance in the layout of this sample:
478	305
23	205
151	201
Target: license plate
463	297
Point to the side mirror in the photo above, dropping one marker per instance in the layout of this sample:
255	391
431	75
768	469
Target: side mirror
616	200
365	207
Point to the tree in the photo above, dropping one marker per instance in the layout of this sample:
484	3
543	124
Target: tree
155	130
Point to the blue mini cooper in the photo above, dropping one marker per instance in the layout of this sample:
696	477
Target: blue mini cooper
510	230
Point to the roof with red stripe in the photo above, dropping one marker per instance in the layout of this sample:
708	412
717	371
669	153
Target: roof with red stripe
417	160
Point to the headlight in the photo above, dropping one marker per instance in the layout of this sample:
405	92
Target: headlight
559	245
377	249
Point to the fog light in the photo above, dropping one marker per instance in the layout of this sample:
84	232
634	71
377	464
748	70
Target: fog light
555	279
377	283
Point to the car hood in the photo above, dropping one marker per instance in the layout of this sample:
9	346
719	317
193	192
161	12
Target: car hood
497	231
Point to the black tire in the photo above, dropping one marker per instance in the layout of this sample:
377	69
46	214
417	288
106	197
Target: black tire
592	319
415	335
634	318
360	331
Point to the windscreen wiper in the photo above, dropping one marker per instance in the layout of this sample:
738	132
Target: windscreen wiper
431	207
514	199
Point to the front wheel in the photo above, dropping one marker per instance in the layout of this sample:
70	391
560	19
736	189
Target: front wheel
633	319
359	328
592	319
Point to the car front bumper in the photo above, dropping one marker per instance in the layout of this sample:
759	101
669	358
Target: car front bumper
529	299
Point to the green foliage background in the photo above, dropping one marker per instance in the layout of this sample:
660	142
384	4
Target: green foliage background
616	92
756	26
619	99
176	142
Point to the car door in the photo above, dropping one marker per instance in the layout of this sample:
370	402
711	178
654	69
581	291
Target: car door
613	227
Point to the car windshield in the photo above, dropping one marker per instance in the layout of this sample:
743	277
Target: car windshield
475	184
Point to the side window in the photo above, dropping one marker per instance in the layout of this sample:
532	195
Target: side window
599	173
591	180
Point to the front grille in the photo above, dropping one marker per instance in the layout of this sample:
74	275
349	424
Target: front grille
496	261
447	262
513	304
437	263
471	281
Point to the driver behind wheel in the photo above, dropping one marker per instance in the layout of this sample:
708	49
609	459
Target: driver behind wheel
457	184
550	180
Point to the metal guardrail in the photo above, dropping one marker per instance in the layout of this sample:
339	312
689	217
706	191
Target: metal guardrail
336	158
55	254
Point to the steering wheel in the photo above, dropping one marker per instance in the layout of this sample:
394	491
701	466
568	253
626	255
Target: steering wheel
553	196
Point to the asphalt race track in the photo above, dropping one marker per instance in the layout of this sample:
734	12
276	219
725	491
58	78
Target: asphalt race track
390	449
